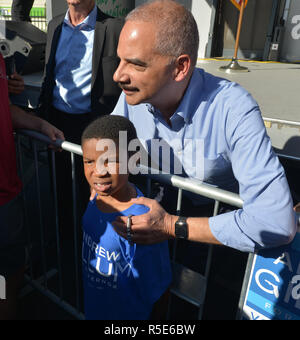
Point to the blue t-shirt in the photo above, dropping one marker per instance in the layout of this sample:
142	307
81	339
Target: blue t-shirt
121	281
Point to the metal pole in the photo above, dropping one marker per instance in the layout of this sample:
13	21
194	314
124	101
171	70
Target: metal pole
28	231
57	226
178	211
234	65
237	40
75	221
239	314
42	235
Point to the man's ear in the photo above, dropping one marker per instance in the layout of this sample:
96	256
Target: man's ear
182	67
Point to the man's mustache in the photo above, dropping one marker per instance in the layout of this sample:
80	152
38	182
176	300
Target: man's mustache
127	88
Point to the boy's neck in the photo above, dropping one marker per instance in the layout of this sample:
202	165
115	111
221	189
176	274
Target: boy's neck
111	204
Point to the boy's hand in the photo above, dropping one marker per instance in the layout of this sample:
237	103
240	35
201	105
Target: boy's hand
93	194
297	207
15	84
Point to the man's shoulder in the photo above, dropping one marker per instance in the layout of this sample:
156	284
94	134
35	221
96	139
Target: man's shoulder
222	86
57	20
114	24
212	80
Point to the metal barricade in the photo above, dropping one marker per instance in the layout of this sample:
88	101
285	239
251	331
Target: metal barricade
188	285
41	283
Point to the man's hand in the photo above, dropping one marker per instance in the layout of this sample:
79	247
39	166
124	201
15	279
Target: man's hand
24	120
153	227
51	131
15	84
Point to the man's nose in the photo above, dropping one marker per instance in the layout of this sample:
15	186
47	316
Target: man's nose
120	75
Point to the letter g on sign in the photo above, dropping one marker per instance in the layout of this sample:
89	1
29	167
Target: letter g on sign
274	290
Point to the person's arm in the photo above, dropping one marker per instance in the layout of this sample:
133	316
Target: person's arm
23	120
267	218
15	84
157	225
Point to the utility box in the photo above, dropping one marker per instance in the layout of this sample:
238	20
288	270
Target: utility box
274	53
290	51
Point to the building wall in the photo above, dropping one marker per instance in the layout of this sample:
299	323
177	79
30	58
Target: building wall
202	11
254	29
290	50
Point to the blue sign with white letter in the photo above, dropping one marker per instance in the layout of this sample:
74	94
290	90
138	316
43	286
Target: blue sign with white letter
274	286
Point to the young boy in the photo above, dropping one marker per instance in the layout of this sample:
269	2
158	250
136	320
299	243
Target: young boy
122	280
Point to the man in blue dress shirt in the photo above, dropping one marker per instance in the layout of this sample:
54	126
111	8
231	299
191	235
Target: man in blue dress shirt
167	97
216	134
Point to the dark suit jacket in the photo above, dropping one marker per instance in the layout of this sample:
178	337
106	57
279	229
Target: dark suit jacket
104	91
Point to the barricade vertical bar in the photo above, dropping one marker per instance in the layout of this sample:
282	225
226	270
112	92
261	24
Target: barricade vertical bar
208	261
40	213
74	196
179	200
210	250
26	224
149	187
56	225
239	315
178	211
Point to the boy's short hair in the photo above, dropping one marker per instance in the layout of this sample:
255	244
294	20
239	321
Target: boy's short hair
109	127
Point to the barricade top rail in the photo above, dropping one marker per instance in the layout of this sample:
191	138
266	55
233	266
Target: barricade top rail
187	184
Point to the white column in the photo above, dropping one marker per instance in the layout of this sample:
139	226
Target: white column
55	7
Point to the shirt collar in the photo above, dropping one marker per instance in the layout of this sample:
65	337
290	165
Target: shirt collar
89	21
190	98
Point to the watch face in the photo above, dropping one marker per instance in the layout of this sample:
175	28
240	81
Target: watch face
181	229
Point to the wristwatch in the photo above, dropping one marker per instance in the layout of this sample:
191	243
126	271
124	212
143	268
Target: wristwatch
181	228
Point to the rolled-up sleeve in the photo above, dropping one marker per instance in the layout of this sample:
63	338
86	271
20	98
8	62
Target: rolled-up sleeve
267	218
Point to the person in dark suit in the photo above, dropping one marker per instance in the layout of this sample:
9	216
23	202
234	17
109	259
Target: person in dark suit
78	84
89	42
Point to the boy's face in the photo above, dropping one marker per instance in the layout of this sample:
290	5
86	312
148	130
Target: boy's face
102	168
